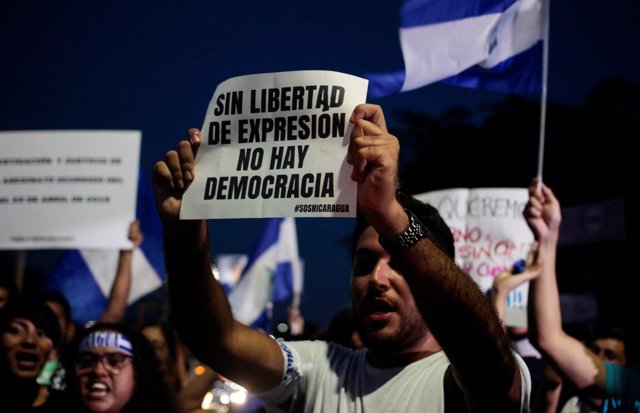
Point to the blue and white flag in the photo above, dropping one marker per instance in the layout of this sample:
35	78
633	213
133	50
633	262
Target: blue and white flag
490	44
85	276
273	273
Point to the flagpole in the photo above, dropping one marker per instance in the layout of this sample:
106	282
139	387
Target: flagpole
543	95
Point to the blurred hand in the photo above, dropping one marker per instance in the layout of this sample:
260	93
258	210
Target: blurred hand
542	212
173	175
135	234
374	153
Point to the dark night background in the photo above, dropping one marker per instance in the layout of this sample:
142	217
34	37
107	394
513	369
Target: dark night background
153	66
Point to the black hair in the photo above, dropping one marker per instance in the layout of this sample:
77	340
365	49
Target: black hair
602	331
151	392
39	313
440	234
59	298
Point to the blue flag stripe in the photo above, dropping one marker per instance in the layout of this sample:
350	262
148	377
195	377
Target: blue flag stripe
384	84
486	44
72	276
423	12
514	75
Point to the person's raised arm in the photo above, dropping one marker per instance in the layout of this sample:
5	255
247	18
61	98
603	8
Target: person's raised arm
119	294
202	310
451	304
507	281
572	360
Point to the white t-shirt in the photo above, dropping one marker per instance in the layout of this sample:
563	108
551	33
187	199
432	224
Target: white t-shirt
326	377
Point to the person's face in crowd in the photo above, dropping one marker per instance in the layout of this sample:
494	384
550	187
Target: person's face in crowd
25	348
610	350
66	327
158	341
105	378
4	296
386	312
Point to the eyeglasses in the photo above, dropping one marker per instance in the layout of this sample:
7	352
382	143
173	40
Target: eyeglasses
112	362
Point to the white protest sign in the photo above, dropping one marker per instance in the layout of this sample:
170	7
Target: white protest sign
275	145
490	235
67	189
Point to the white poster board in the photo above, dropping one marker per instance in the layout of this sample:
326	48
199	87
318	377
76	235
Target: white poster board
67	189
275	145
490	234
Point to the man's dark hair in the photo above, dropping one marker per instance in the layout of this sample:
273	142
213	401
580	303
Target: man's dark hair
441	235
602	331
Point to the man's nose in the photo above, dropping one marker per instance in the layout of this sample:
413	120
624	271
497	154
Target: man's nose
381	276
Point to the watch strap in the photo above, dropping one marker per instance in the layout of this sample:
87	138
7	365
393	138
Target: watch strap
414	232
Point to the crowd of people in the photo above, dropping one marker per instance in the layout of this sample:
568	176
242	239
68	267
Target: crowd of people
420	336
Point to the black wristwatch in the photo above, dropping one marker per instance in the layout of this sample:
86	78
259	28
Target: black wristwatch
409	237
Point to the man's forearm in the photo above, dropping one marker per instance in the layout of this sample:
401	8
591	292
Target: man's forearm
197	299
457	313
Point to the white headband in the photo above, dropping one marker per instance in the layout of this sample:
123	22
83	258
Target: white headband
106	339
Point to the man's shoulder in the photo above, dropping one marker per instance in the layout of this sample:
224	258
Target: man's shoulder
320	349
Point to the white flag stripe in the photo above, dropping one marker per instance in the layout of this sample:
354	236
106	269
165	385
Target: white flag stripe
437	51
255	290
104	264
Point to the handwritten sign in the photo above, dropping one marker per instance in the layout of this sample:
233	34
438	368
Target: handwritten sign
67	189
274	145
489	233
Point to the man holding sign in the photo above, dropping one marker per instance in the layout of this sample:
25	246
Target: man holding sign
432	338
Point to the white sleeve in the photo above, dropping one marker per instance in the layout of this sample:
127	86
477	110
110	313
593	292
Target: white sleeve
525	379
291	376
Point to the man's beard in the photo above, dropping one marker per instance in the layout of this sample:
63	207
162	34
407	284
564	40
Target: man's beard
411	330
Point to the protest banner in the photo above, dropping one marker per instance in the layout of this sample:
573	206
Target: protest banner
67	189
275	145
490	235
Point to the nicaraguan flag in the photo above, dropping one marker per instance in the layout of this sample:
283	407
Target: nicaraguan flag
85	276
273	273
491	44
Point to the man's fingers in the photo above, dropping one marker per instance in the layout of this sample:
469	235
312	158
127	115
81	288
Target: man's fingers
364	133
162	174
548	194
357	132
378	150
372	113
194	136
187	160
172	161
370	128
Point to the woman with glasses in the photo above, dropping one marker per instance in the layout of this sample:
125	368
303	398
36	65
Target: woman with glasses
116	370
